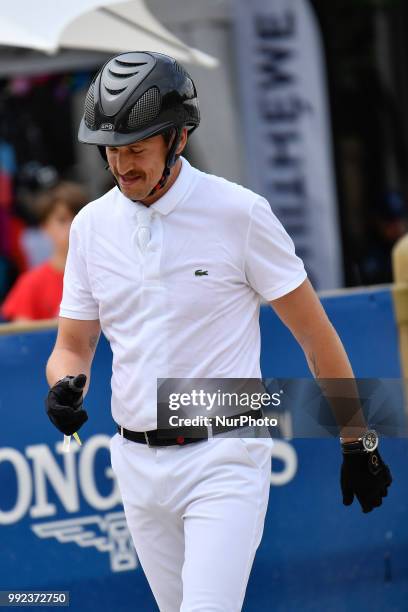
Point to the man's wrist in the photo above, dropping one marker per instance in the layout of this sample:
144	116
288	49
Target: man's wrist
353	448
368	442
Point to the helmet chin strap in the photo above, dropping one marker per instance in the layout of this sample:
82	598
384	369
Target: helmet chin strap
171	159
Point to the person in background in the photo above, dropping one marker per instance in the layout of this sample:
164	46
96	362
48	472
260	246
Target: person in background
388	223
37	293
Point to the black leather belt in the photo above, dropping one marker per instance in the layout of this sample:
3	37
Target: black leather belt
183	435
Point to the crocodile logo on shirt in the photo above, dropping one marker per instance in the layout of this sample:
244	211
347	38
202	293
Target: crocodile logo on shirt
201	272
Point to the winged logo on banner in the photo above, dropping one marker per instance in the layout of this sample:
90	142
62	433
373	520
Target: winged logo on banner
107	533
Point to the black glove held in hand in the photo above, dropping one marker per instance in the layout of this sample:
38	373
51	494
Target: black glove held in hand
366	476
64	404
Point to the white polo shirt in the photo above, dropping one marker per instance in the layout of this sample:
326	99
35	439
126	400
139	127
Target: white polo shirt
188	307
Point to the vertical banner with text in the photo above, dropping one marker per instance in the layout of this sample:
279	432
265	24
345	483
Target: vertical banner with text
287	130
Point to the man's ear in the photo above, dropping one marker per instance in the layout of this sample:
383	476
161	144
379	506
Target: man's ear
183	141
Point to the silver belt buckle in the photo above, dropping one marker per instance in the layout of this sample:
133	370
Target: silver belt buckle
146	438
121	431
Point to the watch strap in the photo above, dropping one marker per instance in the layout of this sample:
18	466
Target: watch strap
353	448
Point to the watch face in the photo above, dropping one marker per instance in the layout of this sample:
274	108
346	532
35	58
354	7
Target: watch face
370	440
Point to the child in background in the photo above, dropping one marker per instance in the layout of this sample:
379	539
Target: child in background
37	293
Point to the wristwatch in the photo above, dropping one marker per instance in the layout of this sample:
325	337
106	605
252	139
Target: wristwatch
367	443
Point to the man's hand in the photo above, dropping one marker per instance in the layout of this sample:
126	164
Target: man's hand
64	404
366	476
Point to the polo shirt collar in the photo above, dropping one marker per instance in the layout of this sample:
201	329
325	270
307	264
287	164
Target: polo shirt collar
174	195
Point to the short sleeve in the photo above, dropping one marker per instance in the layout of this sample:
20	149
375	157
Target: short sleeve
272	267
77	300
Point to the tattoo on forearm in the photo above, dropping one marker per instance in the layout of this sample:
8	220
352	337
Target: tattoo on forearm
93	341
315	367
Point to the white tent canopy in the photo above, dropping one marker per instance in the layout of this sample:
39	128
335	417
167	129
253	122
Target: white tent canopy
109	26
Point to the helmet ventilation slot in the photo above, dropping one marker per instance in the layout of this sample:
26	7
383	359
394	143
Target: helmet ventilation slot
146	108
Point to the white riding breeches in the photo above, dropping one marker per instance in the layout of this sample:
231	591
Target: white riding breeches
196	515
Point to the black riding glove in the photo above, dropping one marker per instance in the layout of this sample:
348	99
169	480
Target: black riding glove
365	475
64	404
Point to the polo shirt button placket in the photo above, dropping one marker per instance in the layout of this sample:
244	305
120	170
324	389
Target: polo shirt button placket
146	237
152	256
143	232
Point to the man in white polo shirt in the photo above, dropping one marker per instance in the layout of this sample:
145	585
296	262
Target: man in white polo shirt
172	264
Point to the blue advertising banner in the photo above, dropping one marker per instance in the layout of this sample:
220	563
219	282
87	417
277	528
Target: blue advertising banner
62	525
